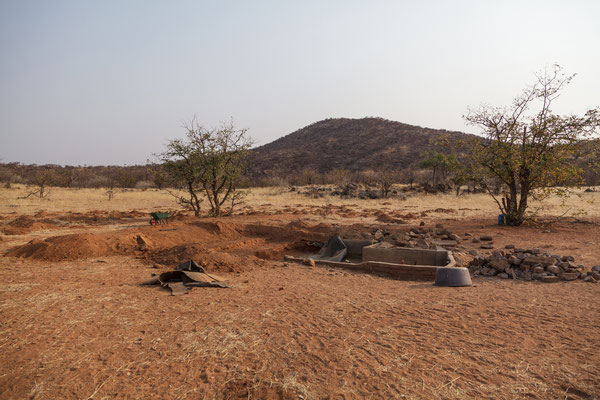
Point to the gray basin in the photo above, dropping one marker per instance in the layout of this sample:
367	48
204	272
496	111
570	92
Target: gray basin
452	276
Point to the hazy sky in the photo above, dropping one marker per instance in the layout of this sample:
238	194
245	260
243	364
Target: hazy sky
109	82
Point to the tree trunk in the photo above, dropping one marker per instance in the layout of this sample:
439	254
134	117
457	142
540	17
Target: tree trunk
522	204
510	206
194	201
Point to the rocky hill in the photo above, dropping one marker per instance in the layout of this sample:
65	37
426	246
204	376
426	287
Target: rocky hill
352	144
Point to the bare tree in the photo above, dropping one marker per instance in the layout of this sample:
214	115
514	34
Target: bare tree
208	163
385	179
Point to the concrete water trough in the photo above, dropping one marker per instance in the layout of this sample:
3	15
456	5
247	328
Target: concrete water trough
385	259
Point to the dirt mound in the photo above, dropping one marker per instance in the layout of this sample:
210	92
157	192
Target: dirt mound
22	226
102	217
217	245
388	219
67	247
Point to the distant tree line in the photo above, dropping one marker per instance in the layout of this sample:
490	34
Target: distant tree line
110	177
435	171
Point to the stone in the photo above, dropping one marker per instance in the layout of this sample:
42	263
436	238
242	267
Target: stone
310	262
475	240
468	234
515	260
550	278
596	268
538	270
478	260
503	275
539	260
454	236
513	274
499	264
486	238
539	276
566	276
596	275
553	269
421	243
445	243
509	246
563	264
474	253
487	246
590	279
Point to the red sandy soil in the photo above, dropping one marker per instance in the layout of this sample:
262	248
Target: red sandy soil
77	324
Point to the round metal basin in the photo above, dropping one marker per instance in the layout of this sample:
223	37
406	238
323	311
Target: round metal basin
452	276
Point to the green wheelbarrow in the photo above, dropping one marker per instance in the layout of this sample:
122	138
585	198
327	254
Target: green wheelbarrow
159	218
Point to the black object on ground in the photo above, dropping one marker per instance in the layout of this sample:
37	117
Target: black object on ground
334	250
186	276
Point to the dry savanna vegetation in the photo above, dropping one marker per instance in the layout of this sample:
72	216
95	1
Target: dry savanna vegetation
77	323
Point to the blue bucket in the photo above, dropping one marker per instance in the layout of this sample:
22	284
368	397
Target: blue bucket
500	219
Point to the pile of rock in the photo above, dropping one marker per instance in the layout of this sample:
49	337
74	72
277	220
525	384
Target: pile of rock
420	237
348	191
531	264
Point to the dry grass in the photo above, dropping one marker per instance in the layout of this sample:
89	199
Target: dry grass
280	198
476	203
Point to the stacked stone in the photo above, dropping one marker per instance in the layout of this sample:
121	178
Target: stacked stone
531	264
349	191
420	237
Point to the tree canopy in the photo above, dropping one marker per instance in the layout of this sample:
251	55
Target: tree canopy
528	148
208	164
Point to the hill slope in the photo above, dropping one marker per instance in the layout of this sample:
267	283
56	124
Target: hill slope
352	144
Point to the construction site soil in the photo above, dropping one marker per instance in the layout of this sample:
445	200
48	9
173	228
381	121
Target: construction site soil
77	323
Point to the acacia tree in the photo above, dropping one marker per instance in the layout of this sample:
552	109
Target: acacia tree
529	148
385	179
437	162
208	163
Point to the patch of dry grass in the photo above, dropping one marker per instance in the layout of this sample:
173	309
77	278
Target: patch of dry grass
280	198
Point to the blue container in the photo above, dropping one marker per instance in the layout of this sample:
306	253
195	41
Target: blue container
500	219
